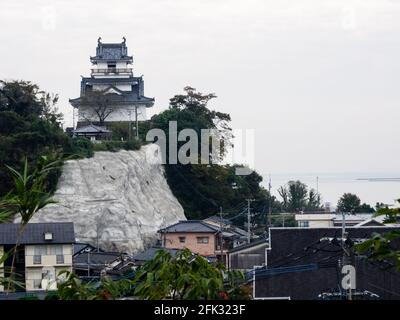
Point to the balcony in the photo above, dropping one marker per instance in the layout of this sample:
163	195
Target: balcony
112	71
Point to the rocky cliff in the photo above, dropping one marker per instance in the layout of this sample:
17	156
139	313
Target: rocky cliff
119	199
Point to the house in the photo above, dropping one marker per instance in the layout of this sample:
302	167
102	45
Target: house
92	264
45	249
112	76
204	237
332	219
197	236
306	264
93	132
149	254
246	256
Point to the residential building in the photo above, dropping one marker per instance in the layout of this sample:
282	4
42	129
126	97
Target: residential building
210	238
92	264
149	254
195	235
45	249
306	264
112	75
332	219
246	256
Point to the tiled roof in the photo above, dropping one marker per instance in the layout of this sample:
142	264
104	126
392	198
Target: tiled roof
92	129
111	51
63	232
218	219
151	252
96	258
190	226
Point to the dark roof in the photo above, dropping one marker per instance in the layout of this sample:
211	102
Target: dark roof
78	247
303	262
95	259
91	128
190	226
218	219
63	232
150	253
249	245
111	51
125	97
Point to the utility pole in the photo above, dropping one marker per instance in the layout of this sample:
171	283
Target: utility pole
249	220
269	203
221	238
346	255
129	125
137	123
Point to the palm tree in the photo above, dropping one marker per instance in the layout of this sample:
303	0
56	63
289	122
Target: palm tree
27	197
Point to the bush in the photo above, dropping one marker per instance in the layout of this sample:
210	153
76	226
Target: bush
115	146
80	147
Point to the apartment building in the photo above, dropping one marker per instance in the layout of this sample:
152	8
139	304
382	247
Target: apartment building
44	250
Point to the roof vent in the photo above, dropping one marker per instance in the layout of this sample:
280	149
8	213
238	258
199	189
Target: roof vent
48	236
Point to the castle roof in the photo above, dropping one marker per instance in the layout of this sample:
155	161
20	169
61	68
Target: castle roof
111	51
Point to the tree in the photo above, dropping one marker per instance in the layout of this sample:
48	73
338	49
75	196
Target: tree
202	189
27	197
351	203
186	276
29	129
99	105
380	246
348	203
190	111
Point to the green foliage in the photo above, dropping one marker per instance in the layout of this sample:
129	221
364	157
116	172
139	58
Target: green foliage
185	276
296	197
380	246
114	146
72	288
351	203
28	129
79	147
28	194
190	111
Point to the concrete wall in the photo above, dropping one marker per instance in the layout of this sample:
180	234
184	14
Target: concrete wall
171	241
120	113
316	220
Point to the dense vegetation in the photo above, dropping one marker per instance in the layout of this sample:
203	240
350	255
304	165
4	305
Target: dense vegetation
30	128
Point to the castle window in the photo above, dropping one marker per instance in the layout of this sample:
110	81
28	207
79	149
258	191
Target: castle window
111	65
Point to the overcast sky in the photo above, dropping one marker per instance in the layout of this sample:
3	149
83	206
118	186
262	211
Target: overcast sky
317	80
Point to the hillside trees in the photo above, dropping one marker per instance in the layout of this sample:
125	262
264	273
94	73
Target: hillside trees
29	128
203	188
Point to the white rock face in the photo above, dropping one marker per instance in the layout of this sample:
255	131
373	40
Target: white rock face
122	198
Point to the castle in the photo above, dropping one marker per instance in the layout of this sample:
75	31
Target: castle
112	93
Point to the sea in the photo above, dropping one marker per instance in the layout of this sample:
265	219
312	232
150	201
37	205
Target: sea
369	187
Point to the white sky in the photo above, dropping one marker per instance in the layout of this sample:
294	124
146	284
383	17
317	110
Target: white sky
318	80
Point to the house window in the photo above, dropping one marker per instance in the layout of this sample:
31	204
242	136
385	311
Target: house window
202	239
60	259
182	239
304	224
37	283
48	236
37	259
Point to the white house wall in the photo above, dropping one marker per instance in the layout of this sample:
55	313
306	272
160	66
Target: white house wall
120	113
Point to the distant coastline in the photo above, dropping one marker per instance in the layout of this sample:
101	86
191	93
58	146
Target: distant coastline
379	179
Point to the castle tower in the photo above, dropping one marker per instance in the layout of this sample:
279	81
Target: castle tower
112	93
